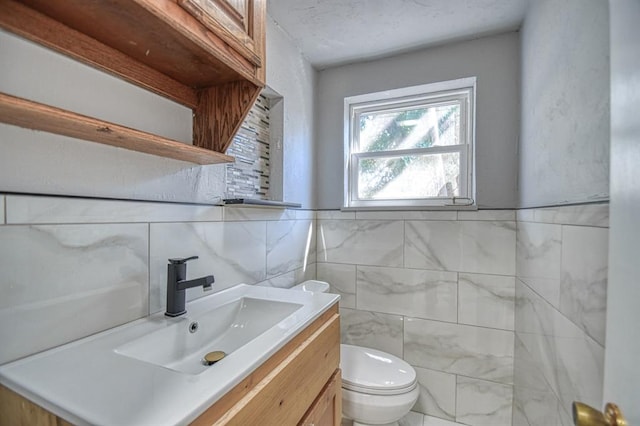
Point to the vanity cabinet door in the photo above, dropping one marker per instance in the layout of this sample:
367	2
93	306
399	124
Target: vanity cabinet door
326	410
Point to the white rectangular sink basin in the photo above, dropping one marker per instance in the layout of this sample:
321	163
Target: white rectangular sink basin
149	372
182	346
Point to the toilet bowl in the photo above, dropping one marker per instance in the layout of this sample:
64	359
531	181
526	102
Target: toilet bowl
377	388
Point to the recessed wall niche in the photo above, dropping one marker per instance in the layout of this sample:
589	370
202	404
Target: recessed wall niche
257	148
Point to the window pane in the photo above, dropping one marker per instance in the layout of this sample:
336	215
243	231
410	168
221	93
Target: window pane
419	127
413	176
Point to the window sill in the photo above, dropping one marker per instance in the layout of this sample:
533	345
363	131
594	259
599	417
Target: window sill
410	208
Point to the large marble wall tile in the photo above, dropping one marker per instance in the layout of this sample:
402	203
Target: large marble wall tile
579	365
437	393
486	300
525	215
24	209
291	278
479	402
363	242
407	215
527	372
241	214
491	215
61	283
290	245
583	291
539	249
411	419
372	330
342	279
304	214
517	416
234	252
412	292
565	417
335	215
582	215
460	349
463	246
536	408
533	399
585	215
436	421
534	327
570	360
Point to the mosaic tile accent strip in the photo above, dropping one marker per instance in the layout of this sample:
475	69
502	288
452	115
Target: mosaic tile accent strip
248	177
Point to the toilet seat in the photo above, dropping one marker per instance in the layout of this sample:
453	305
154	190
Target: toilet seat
374	372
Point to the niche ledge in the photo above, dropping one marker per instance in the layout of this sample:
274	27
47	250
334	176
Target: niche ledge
256	202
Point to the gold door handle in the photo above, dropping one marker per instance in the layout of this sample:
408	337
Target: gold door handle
584	415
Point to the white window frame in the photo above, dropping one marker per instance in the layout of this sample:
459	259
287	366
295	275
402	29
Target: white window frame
426	94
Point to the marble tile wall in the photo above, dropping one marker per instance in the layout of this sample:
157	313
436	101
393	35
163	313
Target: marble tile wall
73	267
436	289
560	312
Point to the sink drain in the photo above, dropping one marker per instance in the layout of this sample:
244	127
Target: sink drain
213	357
193	327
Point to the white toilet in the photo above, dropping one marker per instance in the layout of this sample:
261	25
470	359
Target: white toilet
377	388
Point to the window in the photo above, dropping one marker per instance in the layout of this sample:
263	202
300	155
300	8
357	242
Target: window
411	147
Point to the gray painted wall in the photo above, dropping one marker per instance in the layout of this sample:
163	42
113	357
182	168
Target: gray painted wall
564	138
39	162
289	74
495	62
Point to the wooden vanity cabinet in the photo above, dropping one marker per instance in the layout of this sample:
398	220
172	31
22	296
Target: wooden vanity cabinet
327	408
208	55
299	385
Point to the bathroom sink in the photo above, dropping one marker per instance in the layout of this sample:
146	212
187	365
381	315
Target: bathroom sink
150	371
182	346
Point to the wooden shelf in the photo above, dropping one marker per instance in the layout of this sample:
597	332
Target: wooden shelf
161	47
36	116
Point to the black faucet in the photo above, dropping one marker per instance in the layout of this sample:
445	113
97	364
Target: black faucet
177	284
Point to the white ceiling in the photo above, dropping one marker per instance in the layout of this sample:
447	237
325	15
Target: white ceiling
333	32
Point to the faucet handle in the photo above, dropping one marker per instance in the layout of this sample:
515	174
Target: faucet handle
181	261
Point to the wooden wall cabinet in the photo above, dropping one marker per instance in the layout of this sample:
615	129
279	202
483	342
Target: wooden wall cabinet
208	55
299	385
234	21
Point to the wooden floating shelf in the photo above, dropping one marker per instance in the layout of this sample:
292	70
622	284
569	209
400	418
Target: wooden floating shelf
215	70
33	115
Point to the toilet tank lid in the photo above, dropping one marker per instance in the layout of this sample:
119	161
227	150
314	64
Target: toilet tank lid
313	285
376	370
